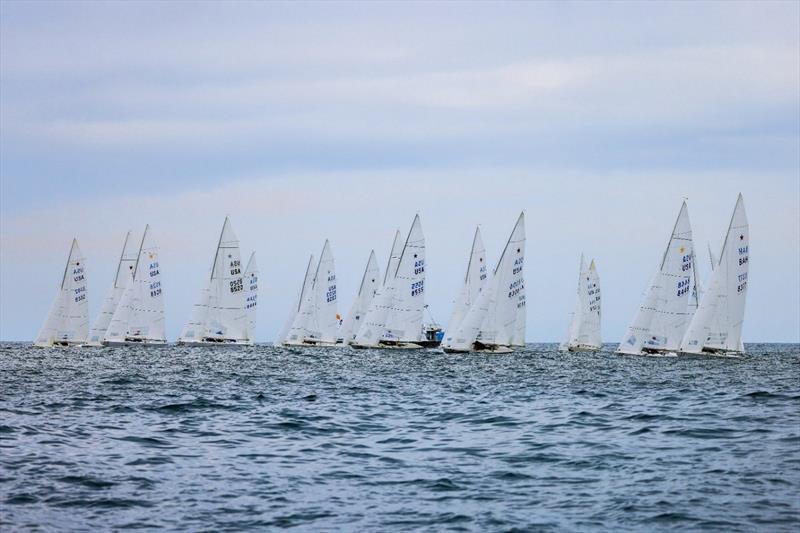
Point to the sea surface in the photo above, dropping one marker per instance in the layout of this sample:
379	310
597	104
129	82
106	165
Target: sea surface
263	438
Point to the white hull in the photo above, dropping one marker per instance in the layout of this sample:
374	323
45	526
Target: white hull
68	344
136	343
581	348
648	354
717	353
387	346
233	344
484	349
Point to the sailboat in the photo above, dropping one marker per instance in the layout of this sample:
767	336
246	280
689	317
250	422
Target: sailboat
67	323
220	315
251	282
584	328
316	321
370	283
394	317
495	322
293	330
127	261
663	317
716	328
139	316
474	282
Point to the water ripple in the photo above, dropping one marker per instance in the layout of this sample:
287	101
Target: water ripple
345	440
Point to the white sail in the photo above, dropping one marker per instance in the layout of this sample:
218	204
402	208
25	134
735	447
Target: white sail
497	317
584	331
370	282
294	330
404	320
227	317
717	324
373	324
507	306
661	324
195	328
139	317
324	320
68	319
127	262
474	282
392	316
251	283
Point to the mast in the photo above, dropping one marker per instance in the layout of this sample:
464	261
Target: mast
139	255
121	257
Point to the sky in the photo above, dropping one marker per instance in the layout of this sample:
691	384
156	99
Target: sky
307	121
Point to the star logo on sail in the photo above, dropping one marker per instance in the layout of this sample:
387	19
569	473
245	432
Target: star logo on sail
681	249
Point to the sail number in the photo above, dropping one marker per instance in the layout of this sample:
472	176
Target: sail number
683	286
155	289
418	287
80	293
742	282
330	295
236	285
515	288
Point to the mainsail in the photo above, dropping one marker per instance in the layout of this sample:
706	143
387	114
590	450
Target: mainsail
404	320
139	317
251	283
584	329
220	315
717	325
227	317
68	319
474	282
395	313
323	325
370	282
663	317
497	318
294	330
127	262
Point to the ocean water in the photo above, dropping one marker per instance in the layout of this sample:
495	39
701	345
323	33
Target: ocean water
342	440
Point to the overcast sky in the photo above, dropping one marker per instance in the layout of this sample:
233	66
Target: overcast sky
327	120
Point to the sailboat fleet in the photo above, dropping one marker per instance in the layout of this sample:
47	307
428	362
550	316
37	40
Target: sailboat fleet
677	314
